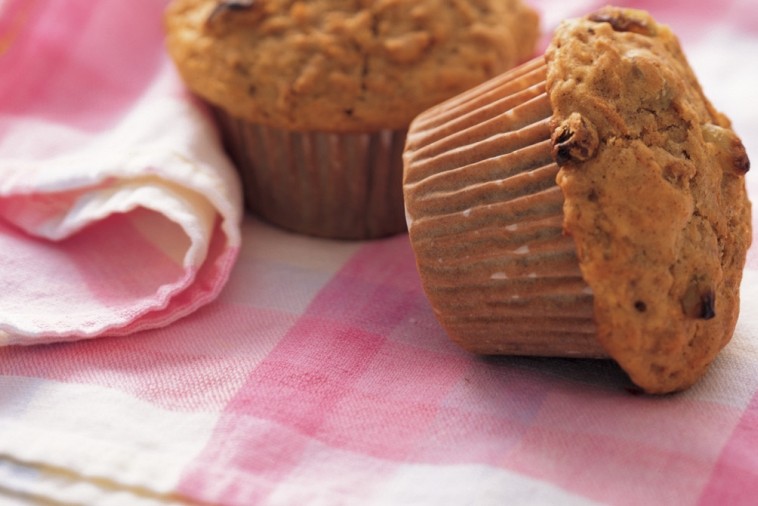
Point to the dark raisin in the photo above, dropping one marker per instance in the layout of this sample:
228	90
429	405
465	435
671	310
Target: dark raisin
707	303
564	135
622	21
228	6
640	306
741	161
563	154
575	140
699	303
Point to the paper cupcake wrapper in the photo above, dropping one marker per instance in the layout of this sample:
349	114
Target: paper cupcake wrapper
485	217
340	186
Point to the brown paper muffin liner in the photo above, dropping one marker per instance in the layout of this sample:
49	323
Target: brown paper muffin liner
485	217
339	186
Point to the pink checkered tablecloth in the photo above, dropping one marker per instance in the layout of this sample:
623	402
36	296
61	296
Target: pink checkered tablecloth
181	352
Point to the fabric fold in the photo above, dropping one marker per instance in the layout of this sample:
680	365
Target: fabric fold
112	225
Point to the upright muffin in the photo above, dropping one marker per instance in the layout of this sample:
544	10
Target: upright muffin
589	203
314	98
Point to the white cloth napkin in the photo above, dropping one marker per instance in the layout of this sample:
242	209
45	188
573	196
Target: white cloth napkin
119	210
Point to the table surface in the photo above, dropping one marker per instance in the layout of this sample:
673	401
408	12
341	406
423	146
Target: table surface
321	376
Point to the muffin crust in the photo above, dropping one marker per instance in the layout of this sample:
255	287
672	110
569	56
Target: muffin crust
655	199
343	65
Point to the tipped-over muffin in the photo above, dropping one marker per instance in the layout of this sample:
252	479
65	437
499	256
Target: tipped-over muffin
314	98
589	203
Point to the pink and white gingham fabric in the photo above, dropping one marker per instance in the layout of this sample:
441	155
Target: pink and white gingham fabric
318	374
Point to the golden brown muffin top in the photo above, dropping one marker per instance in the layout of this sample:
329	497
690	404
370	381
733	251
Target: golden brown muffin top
343	65
653	178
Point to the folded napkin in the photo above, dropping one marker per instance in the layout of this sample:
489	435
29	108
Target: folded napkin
118	210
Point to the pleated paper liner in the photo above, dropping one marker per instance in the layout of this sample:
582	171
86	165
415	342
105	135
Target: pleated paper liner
332	185
485	217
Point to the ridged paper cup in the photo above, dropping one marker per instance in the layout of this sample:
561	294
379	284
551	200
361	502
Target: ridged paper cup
332	185
485	218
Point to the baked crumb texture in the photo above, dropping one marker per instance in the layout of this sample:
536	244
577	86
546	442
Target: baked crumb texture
339	65
636	253
654	185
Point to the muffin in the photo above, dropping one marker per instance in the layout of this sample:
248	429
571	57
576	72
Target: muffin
590	203
314	98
